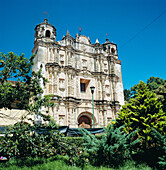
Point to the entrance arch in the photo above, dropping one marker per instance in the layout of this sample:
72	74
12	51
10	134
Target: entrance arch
85	120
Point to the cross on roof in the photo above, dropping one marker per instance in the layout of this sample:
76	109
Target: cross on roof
46	14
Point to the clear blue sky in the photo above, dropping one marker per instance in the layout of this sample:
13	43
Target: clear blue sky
141	58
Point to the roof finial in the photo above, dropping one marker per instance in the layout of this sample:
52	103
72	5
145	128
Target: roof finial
46	14
67	33
107	35
45	20
97	41
80	29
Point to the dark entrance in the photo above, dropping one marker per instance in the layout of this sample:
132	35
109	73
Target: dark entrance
84	122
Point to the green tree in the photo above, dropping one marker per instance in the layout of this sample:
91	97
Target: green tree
161	95
127	94
26	85
143	113
154	83
22	139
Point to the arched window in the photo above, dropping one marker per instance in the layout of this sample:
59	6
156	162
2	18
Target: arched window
48	33
113	50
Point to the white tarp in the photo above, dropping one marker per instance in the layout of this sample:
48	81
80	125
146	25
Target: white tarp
10	117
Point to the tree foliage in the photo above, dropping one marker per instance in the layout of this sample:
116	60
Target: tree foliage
143	113
24	140
161	144
26	83
127	94
161	95
153	83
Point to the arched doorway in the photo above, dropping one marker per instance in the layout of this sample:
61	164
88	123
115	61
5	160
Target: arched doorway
84	122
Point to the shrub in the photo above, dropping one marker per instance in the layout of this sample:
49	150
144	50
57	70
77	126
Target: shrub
112	149
161	145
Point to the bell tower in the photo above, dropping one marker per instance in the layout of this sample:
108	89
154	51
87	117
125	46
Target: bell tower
45	32
45	45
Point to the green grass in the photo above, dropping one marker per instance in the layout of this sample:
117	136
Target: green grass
60	163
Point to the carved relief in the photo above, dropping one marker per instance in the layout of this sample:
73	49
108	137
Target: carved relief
91	66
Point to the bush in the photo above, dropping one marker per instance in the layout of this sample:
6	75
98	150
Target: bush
161	145
74	141
21	141
113	149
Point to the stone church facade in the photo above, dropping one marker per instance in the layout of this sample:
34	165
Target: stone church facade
72	66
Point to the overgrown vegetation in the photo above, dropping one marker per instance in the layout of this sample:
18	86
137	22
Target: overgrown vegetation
144	112
137	134
61	163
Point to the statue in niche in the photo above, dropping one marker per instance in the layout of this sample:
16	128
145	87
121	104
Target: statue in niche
107	91
61	121
62	84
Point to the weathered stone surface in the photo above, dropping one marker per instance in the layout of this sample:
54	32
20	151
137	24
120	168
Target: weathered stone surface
72	66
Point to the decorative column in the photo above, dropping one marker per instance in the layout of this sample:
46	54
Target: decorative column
51	54
54	82
95	64
77	87
76	61
100	117
55	55
70	85
50	80
69	115
69	58
105	116
72	118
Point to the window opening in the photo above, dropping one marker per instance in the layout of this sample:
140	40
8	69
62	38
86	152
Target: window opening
47	33
82	86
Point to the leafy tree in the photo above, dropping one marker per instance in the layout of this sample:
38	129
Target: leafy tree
22	140
127	94
26	85
161	95
143	113
154	83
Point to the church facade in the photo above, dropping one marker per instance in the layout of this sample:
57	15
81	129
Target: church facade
72	66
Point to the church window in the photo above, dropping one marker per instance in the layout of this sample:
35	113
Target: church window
113	50
47	33
83	85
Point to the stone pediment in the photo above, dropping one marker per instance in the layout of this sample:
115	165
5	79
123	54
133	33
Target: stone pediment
85	73
84	39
